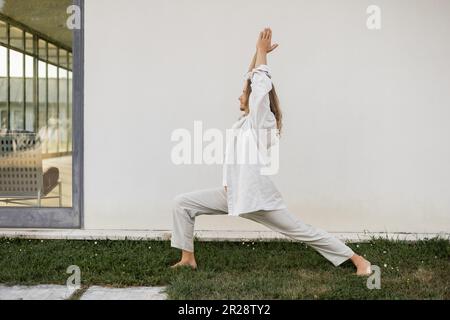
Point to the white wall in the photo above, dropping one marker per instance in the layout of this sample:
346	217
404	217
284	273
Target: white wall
366	139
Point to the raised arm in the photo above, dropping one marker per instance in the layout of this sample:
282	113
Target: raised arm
264	46
261	82
253	63
262	49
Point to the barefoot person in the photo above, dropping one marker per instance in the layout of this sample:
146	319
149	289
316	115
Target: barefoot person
246	192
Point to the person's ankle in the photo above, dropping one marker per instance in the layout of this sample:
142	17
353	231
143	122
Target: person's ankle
189	260
357	259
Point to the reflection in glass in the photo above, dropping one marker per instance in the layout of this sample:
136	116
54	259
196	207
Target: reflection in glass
70	62
16	37
29	43
3	89
3	62
52	117
69	123
42	97
15	64
3	33
16	89
62	110
36	106
29	94
63	58
42	49
52	53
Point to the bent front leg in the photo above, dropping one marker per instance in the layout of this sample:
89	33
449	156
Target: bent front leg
187	207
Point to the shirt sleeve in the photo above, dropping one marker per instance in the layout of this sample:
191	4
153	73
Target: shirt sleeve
259	102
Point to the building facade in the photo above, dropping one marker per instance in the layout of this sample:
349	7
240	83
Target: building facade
365	144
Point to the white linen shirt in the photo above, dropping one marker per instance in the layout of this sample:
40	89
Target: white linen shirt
248	189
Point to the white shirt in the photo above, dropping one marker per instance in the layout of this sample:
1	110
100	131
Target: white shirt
250	190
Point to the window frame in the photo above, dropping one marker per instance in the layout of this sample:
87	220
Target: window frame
57	217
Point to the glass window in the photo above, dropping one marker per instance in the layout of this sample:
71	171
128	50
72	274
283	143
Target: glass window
3	89
29	66
69	129
42	96
63	58
52	53
29	94
52	115
15	64
42	49
16	37
3	33
63	136
70	61
16	85
3	66
36	101
29	46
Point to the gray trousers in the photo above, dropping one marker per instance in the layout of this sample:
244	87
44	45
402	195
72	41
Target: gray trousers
188	206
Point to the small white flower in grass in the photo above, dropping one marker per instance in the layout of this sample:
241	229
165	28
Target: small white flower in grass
42	241
385	265
384	252
95	242
357	245
149	248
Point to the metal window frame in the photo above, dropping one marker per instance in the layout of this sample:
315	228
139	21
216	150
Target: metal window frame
60	218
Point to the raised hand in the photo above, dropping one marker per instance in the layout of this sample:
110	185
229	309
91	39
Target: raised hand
264	43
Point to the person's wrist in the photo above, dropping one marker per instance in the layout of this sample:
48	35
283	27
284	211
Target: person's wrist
261	51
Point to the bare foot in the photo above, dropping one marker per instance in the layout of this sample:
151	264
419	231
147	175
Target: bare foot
182	263
363	266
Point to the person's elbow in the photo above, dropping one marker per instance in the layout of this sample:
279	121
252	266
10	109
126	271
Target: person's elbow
262	86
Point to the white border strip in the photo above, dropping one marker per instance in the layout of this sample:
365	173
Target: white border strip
201	235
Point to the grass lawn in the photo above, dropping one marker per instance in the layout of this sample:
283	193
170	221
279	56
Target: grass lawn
233	270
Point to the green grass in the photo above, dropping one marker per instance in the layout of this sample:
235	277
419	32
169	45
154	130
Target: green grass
234	270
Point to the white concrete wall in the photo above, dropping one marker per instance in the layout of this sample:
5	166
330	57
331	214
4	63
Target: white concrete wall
366	139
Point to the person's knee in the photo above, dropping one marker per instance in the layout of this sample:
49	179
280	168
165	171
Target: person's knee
179	201
182	211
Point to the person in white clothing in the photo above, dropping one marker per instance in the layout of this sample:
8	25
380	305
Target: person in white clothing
247	190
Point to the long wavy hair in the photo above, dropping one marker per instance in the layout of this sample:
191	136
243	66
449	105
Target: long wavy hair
274	104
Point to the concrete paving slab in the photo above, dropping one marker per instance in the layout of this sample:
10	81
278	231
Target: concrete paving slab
41	292
134	293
